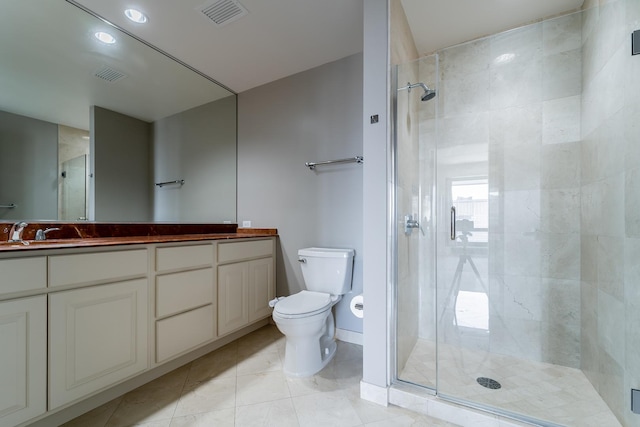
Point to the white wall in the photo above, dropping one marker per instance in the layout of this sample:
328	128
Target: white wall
311	116
376	139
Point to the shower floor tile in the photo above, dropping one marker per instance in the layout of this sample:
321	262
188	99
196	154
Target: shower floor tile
543	391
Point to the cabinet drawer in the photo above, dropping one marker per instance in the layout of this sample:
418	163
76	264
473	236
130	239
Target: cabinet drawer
23	274
96	267
183	291
177	257
183	332
235	251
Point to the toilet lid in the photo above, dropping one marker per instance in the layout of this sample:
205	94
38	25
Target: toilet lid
304	302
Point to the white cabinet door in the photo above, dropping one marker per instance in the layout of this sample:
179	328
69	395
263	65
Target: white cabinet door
97	337
261	288
23	359
233	286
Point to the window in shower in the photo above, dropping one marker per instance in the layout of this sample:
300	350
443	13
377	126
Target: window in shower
470	197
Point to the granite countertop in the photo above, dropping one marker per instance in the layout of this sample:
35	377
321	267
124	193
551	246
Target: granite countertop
81	235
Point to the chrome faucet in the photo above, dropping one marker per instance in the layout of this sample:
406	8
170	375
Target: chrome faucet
15	235
42	235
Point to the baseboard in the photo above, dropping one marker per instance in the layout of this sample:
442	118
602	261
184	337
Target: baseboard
374	393
349	336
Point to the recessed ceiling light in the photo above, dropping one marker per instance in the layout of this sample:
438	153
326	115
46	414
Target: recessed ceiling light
136	16
105	37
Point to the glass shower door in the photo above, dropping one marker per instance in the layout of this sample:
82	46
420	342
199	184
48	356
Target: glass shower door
508	260
73	190
465	319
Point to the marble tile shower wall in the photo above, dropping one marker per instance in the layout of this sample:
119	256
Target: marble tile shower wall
610	215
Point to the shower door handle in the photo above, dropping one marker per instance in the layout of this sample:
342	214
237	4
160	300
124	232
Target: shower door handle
453	223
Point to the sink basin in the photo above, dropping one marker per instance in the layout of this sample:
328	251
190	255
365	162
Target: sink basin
39	243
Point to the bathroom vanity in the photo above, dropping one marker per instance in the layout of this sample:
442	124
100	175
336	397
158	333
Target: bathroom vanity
84	321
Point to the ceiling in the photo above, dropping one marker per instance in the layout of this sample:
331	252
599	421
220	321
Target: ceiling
51	65
275	39
278	38
437	24
50	60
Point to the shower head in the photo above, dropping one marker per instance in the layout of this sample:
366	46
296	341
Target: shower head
428	93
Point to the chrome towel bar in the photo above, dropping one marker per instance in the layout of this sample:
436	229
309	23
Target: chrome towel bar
177	181
357	159
9	206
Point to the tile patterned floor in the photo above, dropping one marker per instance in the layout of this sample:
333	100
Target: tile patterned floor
540	390
242	384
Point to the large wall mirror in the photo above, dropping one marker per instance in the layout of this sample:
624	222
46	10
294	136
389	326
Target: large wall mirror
89	129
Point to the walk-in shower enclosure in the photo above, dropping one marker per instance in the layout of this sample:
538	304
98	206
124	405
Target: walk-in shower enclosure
517	212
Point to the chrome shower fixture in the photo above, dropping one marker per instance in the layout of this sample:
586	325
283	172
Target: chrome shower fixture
428	93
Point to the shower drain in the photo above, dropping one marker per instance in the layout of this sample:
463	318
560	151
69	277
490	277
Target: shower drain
488	383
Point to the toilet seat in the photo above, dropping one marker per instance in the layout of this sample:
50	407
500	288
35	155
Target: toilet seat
303	304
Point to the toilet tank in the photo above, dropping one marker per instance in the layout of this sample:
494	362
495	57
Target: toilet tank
327	270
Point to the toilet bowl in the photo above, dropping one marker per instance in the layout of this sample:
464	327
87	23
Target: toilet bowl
306	318
310	343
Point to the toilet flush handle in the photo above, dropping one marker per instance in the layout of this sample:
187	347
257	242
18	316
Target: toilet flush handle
302	260
274	301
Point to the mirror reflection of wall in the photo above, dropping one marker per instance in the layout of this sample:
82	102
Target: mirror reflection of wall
28	167
120	187
73	188
52	73
203	160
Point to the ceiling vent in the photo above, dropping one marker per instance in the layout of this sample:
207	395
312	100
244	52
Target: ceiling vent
222	12
109	74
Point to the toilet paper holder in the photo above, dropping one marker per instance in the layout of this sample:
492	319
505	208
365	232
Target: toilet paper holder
357	306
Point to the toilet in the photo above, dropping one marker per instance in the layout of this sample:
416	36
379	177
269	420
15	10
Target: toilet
305	318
